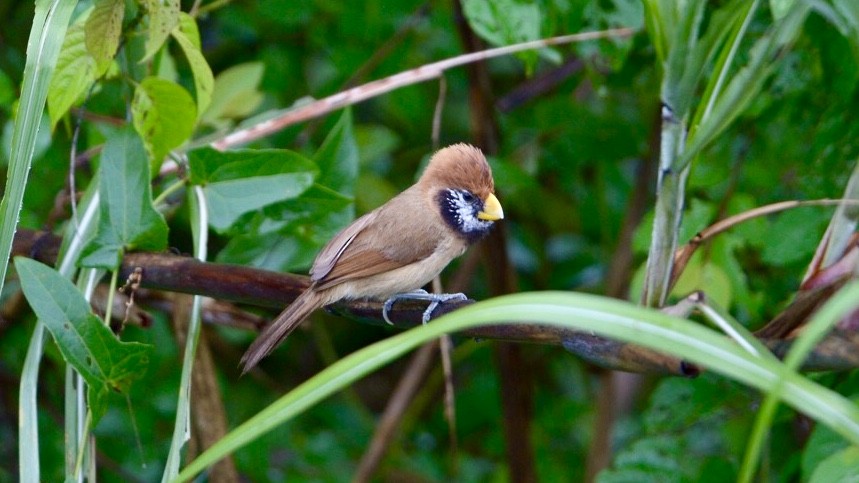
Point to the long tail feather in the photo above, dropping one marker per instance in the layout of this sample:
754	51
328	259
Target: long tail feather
280	328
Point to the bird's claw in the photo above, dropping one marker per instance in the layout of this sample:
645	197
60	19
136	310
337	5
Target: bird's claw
439	299
434	298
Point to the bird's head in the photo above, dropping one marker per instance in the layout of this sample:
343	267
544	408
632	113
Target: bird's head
459	180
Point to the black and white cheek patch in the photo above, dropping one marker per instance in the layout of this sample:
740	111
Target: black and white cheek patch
459	208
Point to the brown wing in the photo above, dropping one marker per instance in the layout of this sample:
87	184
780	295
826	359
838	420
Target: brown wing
390	237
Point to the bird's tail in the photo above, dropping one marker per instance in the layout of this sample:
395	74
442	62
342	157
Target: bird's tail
280	328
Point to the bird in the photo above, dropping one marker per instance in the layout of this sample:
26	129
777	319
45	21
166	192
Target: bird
394	250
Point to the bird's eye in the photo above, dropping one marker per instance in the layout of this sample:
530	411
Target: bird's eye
468	197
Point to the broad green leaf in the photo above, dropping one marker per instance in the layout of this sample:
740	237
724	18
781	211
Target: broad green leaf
238	182
127	219
270	251
338	157
710	278
75	72
793	236
292	232
105	363
606	15
505	22
163	18
840	467
164	115
188	38
236	93
103	29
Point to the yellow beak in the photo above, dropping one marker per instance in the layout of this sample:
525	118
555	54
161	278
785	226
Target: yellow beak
491	209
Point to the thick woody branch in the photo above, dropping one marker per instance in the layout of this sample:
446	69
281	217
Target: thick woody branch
263	288
175	273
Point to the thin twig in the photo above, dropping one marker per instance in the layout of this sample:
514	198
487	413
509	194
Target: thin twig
396	81
684	254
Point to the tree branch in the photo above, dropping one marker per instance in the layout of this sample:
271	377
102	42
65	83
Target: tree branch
263	288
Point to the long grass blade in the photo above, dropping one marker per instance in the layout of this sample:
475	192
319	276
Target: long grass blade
603	316
839	306
50	22
182	428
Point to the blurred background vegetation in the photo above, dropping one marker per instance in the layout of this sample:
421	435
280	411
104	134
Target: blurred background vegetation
573	136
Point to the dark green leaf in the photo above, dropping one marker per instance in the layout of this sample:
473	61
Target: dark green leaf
504	22
793	236
292	232
164	115
238	182
105	363
127	218
338	157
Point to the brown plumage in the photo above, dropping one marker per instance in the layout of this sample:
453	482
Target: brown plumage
400	246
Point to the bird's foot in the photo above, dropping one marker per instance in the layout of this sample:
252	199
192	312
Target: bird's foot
434	299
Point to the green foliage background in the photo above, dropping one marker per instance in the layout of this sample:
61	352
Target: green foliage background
567	165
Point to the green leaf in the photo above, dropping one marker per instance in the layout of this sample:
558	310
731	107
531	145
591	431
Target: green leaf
188	38
823	443
75	72
164	115
163	18
128	221
338	157
793	237
840	467
292	233
780	8
505	22
236	93
105	363
238	182
103	29
600	315
49	27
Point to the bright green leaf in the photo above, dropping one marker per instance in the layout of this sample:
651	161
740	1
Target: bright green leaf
188	38
505	22
127	218
163	18
236	93
164	115
86	343
75	72
103	29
